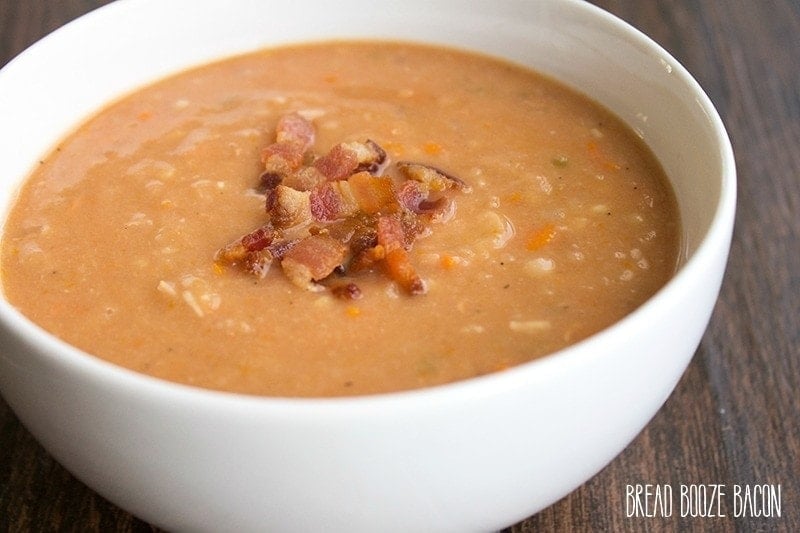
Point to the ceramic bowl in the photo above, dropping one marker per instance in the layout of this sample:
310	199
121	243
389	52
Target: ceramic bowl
476	455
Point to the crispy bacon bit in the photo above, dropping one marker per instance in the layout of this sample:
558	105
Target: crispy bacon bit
295	129
372	194
278	249
411	195
324	203
251	251
258	239
254	241
282	157
332	201
313	259
258	263
390	233
337	164
345	159
294	136
346	291
268	180
339	215
415	196
434	178
289	207
304	179
232	253
374	160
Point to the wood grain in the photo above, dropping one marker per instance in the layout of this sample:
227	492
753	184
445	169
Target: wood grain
734	418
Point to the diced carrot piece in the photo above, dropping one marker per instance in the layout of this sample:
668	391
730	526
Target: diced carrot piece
400	269
515	197
541	237
432	148
448	262
373	194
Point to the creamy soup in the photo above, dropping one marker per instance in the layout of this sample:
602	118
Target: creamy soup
173	235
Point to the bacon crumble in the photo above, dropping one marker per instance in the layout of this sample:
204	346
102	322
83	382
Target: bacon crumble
335	216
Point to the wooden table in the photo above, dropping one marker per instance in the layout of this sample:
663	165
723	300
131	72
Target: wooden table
734	418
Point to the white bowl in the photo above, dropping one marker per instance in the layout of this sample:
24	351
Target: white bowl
472	456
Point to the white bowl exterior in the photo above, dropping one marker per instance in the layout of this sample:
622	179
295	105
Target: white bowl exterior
472	456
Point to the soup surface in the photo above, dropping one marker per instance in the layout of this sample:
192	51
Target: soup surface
565	224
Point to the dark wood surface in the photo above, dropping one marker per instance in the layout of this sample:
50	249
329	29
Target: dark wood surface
734	418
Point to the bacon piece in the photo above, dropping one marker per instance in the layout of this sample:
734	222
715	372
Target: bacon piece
304	179
254	241
251	251
341	230
324	203
390	233
371	157
338	163
268	180
414	196
258	263
436	180
258	239
361	192
280	160
332	200
278	249
359	234
288	207
313	259
392	238
294	136
373	194
295	129
346	291
344	159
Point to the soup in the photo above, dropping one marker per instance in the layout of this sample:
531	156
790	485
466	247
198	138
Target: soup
484	216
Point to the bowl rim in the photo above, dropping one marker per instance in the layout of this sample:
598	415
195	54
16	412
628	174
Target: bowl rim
718	232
